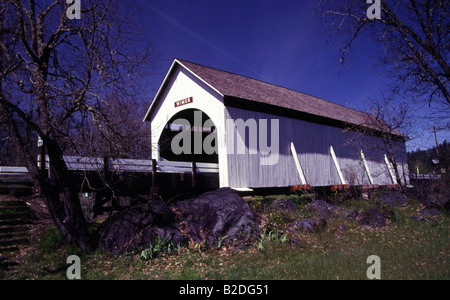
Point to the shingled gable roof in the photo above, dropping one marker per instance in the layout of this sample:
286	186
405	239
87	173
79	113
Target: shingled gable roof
242	87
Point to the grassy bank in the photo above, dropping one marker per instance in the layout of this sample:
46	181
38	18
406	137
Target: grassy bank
408	249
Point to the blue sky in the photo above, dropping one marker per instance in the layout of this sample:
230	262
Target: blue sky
278	41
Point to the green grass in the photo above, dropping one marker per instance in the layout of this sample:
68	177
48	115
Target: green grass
408	250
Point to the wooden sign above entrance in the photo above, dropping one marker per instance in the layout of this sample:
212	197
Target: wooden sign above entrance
184	101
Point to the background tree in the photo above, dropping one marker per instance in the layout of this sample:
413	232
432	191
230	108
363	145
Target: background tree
9	148
57	75
412	38
116	132
422	159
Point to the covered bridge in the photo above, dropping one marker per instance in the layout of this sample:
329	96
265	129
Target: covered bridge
263	135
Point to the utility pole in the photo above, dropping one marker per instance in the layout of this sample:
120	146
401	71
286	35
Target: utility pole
435	138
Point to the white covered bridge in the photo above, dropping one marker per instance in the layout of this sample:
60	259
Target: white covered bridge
263	135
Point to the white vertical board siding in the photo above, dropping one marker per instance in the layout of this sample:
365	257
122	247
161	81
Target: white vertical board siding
313	147
375	150
312	143
246	170
348	157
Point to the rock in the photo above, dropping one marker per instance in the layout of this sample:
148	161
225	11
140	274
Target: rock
324	209
439	200
372	218
215	215
425	214
137	227
342	227
283	205
418	218
293	241
387	212
429	212
210	217
351	215
435	195
393	199
307	225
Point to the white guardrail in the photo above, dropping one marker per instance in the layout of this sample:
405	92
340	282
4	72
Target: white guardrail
424	176
76	163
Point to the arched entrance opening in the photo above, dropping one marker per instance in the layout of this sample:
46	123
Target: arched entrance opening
190	135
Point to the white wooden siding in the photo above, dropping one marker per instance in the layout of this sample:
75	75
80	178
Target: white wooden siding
312	142
181	85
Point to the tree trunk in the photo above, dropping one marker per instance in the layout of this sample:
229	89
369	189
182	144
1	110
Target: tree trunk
397	174
74	225
60	196
63	201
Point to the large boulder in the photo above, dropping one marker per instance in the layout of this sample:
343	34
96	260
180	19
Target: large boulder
439	200
139	226
216	215
371	218
283	205
393	199
307	225
351	215
211	216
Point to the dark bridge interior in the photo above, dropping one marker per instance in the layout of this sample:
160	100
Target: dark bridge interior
195	126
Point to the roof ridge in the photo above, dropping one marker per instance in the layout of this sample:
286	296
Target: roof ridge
269	83
292	99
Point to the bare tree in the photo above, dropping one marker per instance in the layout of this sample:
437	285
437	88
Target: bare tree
413	38
385	130
116	132
56	73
